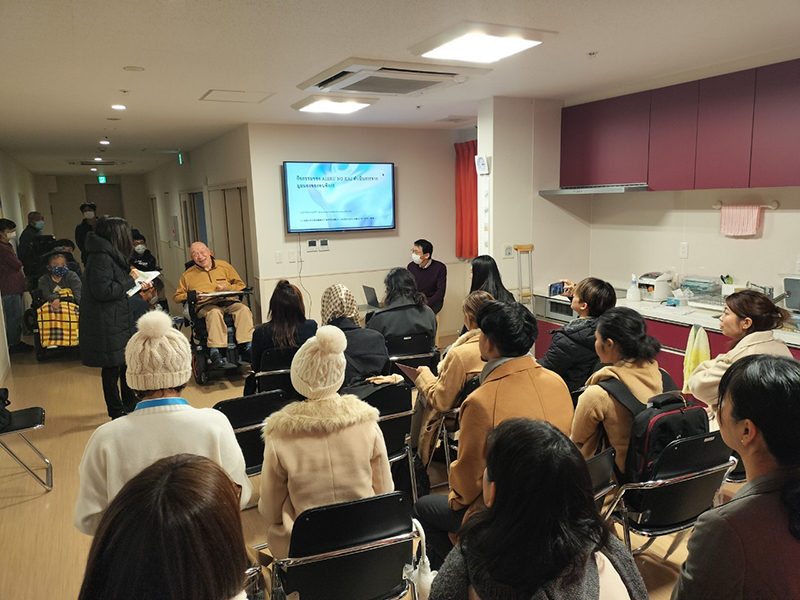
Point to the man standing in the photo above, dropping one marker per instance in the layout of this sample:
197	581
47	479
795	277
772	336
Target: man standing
34	228
12	286
430	275
89	210
209	275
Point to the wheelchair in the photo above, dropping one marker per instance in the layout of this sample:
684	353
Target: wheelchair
201	359
53	333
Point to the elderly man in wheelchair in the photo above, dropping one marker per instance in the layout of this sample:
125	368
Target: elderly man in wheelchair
213	290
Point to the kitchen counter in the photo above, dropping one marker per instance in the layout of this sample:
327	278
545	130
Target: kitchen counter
709	319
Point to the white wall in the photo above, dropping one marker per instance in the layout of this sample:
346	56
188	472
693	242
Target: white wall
636	233
425	173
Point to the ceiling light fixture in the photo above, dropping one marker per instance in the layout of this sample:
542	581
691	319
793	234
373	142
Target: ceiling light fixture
479	42
93	169
118	106
97	159
133	68
104	142
339	105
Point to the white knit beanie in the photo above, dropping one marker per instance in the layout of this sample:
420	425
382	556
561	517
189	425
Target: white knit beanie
158	356
318	367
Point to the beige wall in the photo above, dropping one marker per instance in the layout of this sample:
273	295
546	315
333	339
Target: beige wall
425	172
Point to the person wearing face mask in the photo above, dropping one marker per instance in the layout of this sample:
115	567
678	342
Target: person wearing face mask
57	279
89	210
430	275
143	260
25	245
12	286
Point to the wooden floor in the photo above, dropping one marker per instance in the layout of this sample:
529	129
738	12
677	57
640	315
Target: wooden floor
42	556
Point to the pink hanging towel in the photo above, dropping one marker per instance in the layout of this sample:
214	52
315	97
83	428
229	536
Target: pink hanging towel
740	220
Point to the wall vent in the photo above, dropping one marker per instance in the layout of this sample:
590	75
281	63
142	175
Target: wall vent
456	119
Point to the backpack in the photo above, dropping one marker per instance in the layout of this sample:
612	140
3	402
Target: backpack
664	419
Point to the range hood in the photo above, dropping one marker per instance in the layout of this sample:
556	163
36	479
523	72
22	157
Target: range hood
617	188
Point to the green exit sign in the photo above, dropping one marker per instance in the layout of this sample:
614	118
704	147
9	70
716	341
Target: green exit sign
101	178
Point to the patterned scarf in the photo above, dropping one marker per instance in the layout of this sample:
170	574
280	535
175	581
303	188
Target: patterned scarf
338	301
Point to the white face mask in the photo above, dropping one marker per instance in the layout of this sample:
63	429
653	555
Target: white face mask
11	235
140	249
89	214
416	258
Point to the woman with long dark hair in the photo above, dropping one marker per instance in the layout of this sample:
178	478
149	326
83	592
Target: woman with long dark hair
749	320
287	326
404	311
622	343
173	532
541	535
106	321
750	546
486	277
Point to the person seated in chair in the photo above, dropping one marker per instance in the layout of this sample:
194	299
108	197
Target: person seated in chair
513	385
58	278
209	275
404	310
67	247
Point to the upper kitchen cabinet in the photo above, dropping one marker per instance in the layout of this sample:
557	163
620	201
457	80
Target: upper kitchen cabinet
776	126
606	142
725	130
673	137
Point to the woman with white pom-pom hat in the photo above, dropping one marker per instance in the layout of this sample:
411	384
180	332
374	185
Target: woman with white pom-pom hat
323	450
159	361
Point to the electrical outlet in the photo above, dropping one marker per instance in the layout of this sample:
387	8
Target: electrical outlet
312	245
684	252
278	257
292	256
508	251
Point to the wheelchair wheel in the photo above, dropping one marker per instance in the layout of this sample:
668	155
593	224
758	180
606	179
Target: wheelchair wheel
199	368
41	352
29	321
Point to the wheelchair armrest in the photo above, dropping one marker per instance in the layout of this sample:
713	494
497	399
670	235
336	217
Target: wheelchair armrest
191	296
247	290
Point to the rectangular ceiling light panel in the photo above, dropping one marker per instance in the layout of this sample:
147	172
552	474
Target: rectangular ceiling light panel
239	96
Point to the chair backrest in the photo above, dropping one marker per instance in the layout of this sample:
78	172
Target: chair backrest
376	573
394	404
276	364
390	399
406	345
680	503
601	468
247	416
472	384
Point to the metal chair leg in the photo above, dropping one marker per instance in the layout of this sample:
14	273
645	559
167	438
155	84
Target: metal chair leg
644	546
46	483
411	472
677	541
626	532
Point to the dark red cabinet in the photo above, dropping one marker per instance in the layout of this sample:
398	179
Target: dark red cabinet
776	126
606	142
725	130
544	338
673	137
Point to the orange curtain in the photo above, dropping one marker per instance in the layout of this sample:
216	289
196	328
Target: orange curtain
466	200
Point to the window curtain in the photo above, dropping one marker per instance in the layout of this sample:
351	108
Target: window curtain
466	200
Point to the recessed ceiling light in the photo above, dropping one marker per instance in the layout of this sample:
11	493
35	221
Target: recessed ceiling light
133	68
97	159
118	106
340	105
93	169
105	142
113	118
479	42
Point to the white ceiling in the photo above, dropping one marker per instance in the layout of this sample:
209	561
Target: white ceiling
61	62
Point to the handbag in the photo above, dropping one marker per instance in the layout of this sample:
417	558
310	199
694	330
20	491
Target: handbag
5	414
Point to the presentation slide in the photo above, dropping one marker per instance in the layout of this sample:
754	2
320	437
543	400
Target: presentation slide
338	196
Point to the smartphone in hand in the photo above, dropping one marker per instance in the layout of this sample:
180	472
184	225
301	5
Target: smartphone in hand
556	289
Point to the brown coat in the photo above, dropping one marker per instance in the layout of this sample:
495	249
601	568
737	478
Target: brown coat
596	406
463	361
517	388
319	452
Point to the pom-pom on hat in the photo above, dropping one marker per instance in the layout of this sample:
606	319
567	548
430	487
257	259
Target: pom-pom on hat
318	367
158	356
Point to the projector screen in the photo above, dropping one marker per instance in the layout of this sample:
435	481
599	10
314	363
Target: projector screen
322	197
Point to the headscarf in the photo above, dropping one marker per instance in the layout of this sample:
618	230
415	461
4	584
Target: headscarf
338	301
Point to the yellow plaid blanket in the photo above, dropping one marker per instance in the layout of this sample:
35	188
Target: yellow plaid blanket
59	328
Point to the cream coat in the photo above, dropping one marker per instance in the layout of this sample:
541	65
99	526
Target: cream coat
517	388
704	380
596	406
463	361
319	452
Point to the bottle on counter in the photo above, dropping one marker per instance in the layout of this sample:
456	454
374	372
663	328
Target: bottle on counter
633	295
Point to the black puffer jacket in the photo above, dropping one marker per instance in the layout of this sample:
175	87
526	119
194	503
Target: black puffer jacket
365	354
571	353
106	322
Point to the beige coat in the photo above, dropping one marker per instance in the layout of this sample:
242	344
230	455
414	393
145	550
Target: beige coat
517	388
704	381
319	452
596	406
463	361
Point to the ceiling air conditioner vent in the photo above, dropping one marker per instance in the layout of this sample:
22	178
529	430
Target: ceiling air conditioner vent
98	163
387	78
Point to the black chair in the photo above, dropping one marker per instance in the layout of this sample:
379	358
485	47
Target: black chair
686	479
601	471
248	415
393	401
448	432
28	419
738	475
350	551
415	350
275	371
